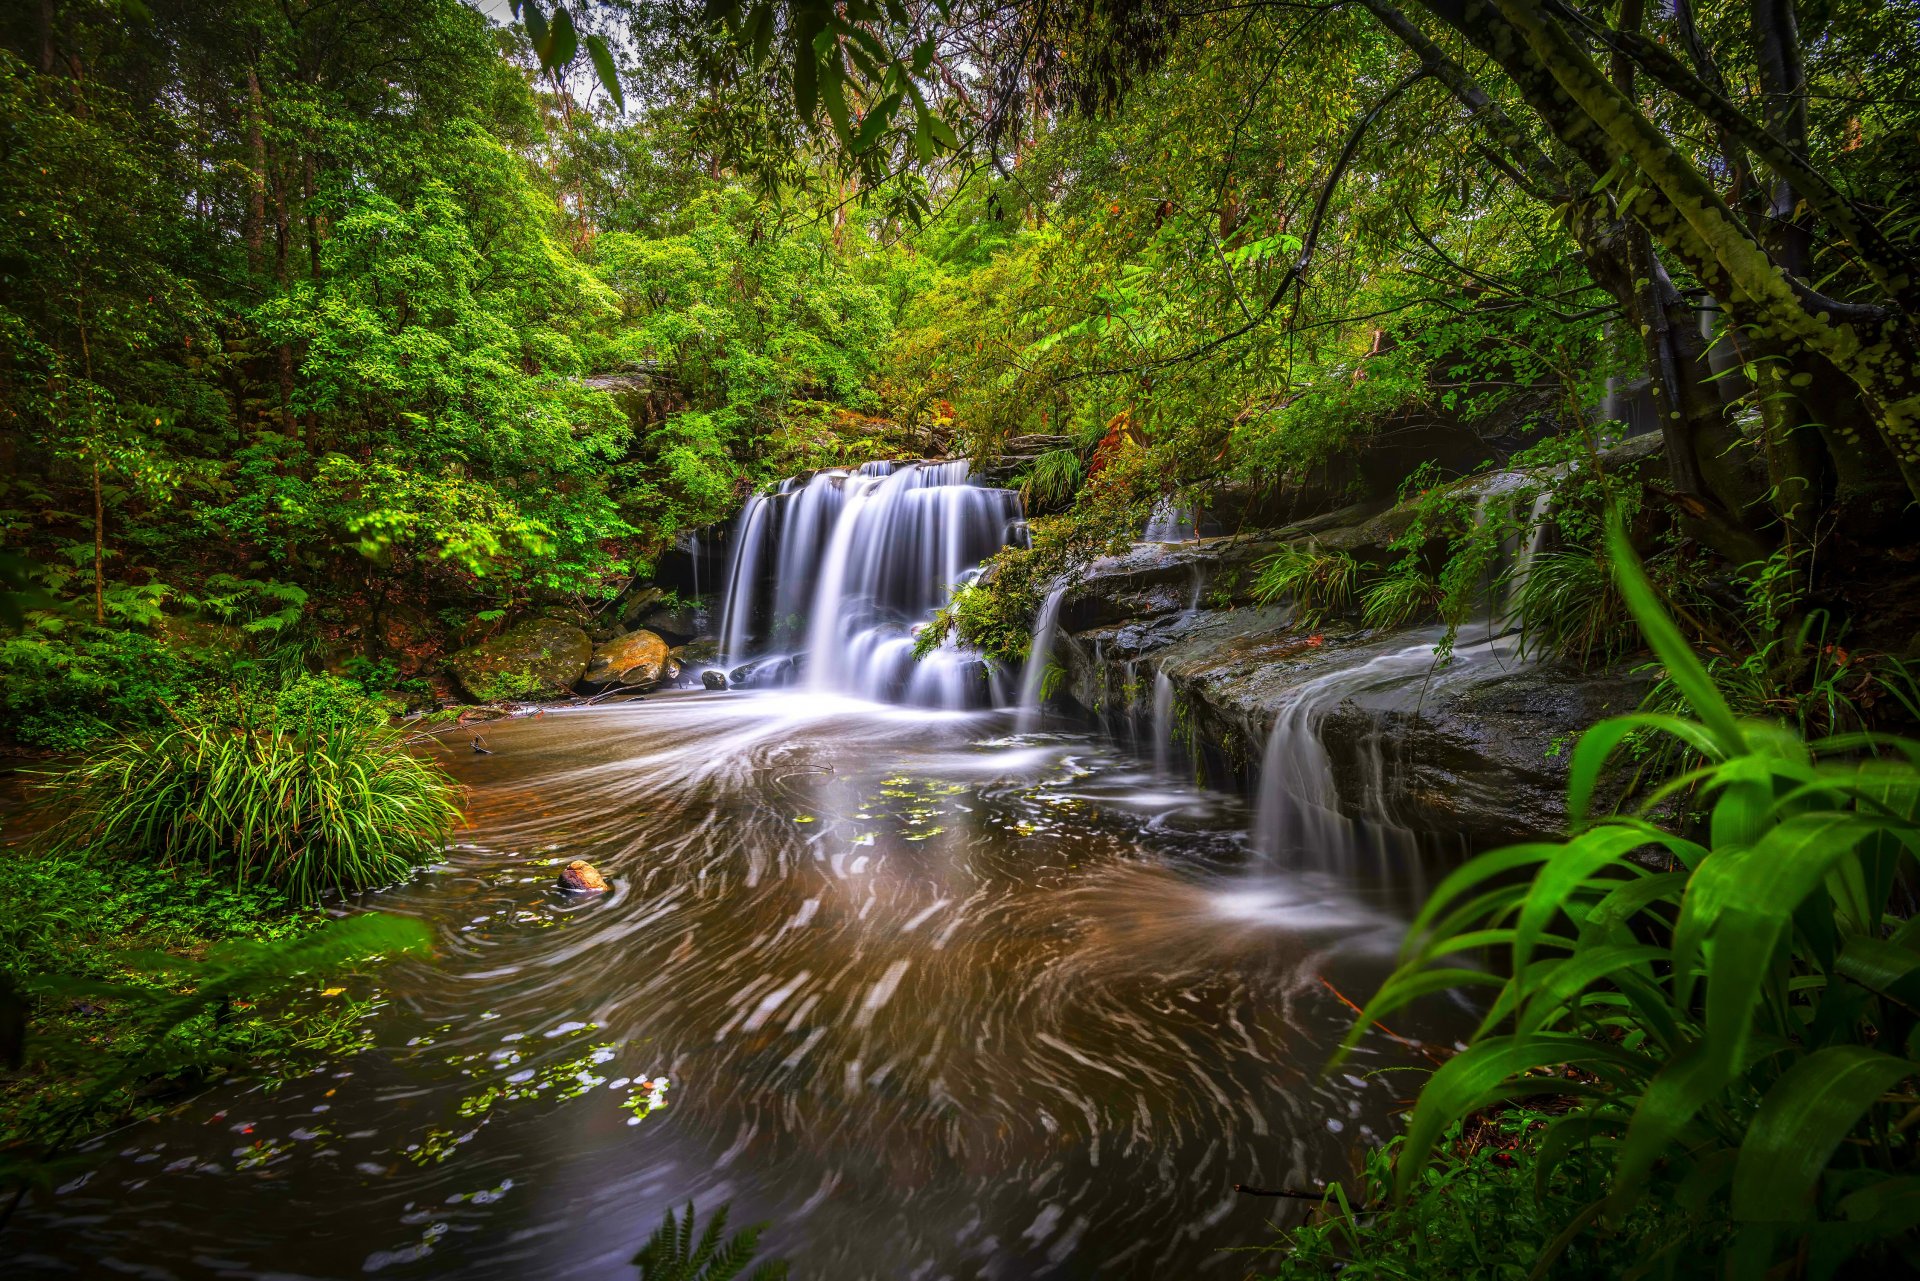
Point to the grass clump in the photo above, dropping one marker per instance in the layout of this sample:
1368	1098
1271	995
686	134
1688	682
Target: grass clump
1570	609
335	804
1320	584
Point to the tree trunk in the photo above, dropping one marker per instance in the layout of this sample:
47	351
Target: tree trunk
99	541
256	224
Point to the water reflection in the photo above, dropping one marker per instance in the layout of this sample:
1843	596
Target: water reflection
935	1000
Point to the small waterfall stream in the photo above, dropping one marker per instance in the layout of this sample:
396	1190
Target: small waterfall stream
1033	673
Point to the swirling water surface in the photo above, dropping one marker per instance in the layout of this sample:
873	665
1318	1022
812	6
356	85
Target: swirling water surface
929	998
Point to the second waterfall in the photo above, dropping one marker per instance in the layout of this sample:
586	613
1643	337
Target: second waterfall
830	575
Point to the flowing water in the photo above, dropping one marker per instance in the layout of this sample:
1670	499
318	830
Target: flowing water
936	990
933	1000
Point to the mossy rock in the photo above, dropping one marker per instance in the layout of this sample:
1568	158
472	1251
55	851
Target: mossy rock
540	658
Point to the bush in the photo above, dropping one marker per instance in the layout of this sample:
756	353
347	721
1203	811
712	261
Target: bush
330	806
1742	1016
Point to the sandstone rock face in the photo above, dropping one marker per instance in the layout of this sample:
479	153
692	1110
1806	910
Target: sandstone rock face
638	659
540	658
582	877
1473	751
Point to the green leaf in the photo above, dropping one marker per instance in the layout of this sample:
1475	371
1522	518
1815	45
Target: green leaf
1481	1073
1684	668
1574	975
1567	871
1802	1121
833	94
1597	746
603	68
537	31
565	41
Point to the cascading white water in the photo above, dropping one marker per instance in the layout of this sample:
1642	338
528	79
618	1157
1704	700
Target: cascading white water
1298	814
1533	536
1169	523
1033	673
743	579
1162	723
831	577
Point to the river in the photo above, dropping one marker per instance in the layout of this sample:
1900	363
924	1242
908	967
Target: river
929	997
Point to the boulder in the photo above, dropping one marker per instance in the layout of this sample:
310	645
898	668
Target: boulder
582	877
637	658
765	673
713	678
679	622
540	658
705	650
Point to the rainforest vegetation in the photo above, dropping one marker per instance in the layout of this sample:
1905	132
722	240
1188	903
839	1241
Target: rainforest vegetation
340	336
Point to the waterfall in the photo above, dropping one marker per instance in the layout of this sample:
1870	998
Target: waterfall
1162	723
1533	536
832	575
1035	670
743	579
1298	814
1170	523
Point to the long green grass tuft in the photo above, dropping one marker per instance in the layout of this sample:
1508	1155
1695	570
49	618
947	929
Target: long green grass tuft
338	806
1320	584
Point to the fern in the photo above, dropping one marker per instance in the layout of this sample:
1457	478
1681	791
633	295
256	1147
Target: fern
672	1254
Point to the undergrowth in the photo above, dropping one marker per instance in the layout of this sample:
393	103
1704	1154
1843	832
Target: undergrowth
329	805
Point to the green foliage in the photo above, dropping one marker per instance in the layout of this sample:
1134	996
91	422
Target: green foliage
1479	1209
146	981
330	804
673	1254
1570	608
1319	584
64	691
1053	477
1399	596
1735	1011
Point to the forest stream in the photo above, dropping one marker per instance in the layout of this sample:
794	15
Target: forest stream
933	999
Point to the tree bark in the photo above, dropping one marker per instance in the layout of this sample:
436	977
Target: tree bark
1685	214
256	224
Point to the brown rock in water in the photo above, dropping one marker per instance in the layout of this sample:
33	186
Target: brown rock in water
638	658
713	678
581	875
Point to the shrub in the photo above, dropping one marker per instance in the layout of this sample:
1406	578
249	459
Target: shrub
330	806
1480	1210
1741	1015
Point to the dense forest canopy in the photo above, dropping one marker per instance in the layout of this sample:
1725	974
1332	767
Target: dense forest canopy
308	298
